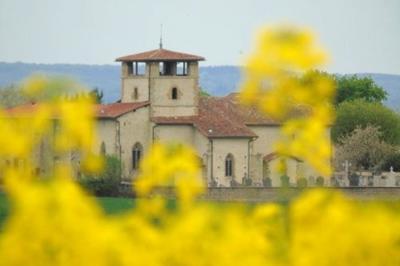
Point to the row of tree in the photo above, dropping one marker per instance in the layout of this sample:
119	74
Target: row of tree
11	96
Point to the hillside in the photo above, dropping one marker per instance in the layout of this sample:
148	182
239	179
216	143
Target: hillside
216	80
104	77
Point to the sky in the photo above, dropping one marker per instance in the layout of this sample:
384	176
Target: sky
360	35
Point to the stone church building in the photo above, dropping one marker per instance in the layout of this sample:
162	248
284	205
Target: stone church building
161	101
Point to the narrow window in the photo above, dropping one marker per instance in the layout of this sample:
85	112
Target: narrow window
174	94
134	68
135	95
229	165
130	68
161	68
103	148
136	155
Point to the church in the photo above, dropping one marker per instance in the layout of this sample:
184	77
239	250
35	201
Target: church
161	102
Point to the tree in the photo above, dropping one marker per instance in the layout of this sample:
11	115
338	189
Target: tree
97	95
107	182
204	93
363	148
11	96
352	87
351	114
393	160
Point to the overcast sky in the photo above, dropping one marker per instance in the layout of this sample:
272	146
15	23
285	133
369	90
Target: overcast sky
361	35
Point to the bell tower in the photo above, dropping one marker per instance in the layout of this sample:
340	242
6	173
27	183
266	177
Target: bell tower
168	79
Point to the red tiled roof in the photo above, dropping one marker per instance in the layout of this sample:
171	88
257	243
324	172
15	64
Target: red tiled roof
216	119
247	115
117	109
210	124
22	110
223	117
160	55
101	110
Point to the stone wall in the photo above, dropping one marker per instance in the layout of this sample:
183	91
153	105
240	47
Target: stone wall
258	194
254	194
367	179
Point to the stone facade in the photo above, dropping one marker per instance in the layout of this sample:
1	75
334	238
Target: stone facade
161	105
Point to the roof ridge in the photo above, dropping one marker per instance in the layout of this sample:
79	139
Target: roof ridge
159	55
114	110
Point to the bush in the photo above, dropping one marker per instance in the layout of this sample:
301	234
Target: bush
363	148
354	180
285	181
302	182
392	160
320	181
106	183
353	114
267	182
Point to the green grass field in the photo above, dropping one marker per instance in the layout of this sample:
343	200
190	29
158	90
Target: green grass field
111	205
117	205
4	208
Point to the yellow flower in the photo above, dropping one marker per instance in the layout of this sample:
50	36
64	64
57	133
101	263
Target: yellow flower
279	78
171	165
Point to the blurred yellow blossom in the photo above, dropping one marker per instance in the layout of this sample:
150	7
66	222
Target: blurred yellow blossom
174	165
279	79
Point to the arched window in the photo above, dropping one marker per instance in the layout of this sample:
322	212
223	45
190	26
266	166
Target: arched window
174	94
136	155
135	93
229	165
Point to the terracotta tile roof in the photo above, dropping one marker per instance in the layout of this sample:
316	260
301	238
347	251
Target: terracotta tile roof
117	109
216	119
247	115
160	55
228	118
101	110
223	117
24	110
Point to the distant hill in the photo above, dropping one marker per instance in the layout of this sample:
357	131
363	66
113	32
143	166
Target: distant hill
216	80
104	77
220	80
